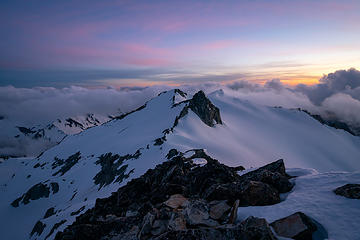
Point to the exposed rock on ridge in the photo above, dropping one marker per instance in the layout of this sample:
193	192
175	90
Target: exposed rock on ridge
200	105
37	191
179	200
204	108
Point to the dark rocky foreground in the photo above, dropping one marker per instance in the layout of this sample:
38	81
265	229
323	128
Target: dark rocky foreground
180	199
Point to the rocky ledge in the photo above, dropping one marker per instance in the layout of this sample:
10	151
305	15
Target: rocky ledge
187	198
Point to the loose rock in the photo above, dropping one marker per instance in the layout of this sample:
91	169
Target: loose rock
180	200
296	226
219	210
349	191
176	201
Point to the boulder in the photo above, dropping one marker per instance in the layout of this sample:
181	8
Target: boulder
349	191
273	174
177	222
147	224
159	226
196	213
256	193
176	201
296	226
250	229
228	191
218	209
256	228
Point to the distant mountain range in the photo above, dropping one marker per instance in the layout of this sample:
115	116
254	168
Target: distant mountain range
24	141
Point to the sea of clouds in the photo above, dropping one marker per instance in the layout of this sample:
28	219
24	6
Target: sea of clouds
336	96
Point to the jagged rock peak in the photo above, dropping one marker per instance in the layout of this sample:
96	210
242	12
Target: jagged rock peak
205	109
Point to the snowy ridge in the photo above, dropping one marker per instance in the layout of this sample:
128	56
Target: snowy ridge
252	135
99	160
78	124
77	189
33	140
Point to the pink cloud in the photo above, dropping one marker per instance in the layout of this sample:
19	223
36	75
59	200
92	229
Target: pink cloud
217	45
149	62
144	49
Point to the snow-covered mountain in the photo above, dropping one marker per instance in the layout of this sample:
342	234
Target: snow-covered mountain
19	140
78	124
40	196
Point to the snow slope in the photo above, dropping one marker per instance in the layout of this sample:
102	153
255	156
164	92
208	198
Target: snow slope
313	195
136	131
251	135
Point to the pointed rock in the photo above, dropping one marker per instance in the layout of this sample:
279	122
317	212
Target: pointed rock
204	108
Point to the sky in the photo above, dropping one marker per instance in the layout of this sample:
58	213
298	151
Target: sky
121	43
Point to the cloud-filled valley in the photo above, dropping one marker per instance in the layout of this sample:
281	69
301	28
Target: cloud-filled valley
336	97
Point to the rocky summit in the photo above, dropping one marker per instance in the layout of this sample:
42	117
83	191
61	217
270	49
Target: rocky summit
182	199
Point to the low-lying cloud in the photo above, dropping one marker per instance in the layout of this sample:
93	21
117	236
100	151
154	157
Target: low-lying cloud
336	97
41	105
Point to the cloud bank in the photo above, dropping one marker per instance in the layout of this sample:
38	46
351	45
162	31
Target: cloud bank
41	105
29	107
336	97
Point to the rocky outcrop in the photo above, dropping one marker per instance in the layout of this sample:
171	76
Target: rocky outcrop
353	130
54	228
25	130
37	191
172	201
126	114
67	164
349	191
259	187
200	105
203	107
54	187
112	168
73	123
38	228
297	226
51	211
273	174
